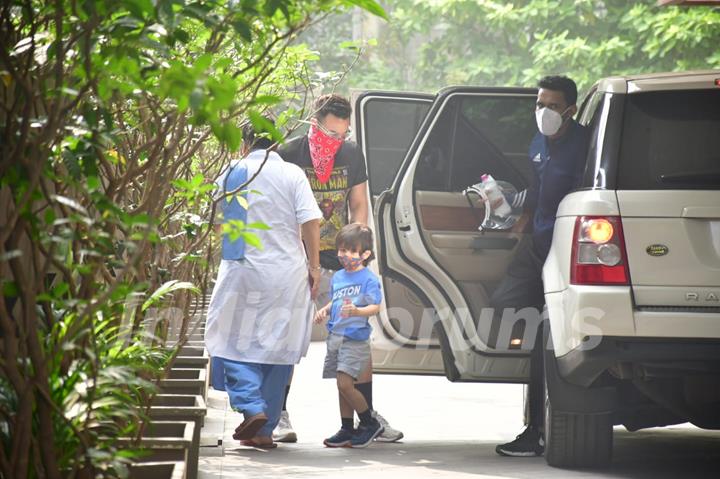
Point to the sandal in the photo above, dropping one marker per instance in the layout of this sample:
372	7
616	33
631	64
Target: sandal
250	426
259	445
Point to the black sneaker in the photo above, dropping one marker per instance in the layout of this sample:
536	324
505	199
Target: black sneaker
364	435
341	438
528	444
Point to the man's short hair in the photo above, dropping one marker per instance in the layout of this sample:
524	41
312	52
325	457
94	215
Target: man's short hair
356	237
562	84
253	141
332	103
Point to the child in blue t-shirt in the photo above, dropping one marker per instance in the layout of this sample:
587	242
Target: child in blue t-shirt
355	296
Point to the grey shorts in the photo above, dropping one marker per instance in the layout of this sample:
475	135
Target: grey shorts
345	355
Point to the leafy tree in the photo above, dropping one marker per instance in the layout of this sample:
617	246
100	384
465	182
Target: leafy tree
426	45
116	116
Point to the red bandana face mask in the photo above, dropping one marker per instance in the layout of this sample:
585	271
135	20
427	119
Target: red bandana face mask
322	152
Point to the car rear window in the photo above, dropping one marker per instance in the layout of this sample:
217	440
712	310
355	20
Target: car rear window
670	140
390	126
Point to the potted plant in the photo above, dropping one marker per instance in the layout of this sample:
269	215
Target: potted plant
161	441
192	357
177	407
185	381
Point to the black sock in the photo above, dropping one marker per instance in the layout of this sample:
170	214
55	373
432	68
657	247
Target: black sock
347	423
287	393
366	418
366	390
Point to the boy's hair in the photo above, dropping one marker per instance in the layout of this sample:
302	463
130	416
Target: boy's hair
357	237
255	142
332	103
562	84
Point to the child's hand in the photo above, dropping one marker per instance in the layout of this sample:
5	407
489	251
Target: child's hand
348	309
321	315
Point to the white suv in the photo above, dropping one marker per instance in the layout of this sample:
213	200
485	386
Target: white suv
633	277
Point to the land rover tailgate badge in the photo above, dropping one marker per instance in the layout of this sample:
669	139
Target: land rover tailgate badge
657	250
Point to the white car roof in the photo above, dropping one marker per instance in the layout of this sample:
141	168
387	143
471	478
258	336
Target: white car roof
692	80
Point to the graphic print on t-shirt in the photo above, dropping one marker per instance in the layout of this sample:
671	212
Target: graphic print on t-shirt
332	199
362	288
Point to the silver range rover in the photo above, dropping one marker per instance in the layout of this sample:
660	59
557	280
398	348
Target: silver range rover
632	281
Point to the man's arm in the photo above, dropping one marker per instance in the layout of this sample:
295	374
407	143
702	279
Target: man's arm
359	203
311	237
526	198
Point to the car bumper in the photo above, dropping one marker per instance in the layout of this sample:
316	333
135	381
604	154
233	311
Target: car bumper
582	366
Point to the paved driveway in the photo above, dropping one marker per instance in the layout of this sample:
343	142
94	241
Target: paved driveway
450	431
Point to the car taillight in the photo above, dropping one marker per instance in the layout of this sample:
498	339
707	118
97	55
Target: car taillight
598	252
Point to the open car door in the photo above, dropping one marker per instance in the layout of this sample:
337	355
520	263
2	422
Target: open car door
386	123
438	269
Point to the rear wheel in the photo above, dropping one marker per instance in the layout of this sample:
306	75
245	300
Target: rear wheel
576	440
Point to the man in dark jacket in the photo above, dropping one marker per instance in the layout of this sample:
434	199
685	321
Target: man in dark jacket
558	154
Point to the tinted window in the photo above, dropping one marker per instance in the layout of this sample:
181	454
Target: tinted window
508	122
590	116
589	108
476	134
671	140
390	126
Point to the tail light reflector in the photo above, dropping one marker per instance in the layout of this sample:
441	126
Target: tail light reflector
598	252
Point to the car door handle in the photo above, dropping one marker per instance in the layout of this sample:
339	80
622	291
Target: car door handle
481	243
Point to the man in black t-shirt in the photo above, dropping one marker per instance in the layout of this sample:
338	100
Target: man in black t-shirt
338	177
342	165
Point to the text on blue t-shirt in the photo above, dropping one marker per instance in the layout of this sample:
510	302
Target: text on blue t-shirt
363	289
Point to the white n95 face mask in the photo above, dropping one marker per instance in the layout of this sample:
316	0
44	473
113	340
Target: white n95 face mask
548	121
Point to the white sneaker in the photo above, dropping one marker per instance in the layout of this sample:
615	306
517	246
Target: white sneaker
389	434
284	431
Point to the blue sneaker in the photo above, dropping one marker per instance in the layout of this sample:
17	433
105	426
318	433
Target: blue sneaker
342	438
364	435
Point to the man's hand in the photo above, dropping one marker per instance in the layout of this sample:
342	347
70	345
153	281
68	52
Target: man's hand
311	237
496	203
321	315
314	279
